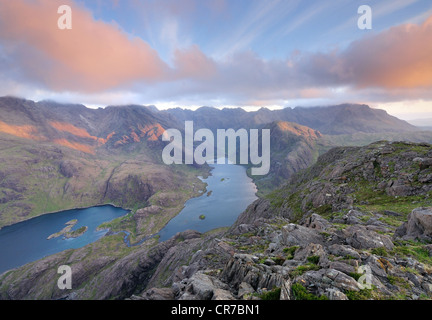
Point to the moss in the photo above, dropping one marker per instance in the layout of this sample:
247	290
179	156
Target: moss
290	252
299	292
413	249
348	257
304	268
313	259
380	252
324	210
355	275
278	260
398	281
364	294
271	295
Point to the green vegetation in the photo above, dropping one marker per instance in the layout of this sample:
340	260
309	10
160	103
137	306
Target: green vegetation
304	268
273	294
355	275
324	210
364	294
313	259
76	233
381	251
278	260
300	293
413	249
290	252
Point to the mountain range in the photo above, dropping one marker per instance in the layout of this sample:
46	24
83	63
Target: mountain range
332	120
298	136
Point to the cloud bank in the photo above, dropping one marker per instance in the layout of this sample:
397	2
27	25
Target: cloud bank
97	57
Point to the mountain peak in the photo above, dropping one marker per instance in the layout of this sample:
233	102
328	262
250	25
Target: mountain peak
296	129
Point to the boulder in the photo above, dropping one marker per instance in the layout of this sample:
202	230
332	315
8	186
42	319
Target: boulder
360	237
418	226
344	251
315	221
201	286
221	294
325	279
312	249
423	163
157	294
399	188
342	267
293	234
335	294
286	290
244	289
341	281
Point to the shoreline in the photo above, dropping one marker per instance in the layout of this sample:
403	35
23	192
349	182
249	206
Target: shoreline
65	210
206	174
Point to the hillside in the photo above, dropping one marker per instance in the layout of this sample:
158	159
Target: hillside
292	147
57	157
81	128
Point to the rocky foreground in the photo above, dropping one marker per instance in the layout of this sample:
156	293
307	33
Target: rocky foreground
371	240
356	225
315	260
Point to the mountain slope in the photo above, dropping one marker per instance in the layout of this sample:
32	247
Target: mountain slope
81	128
57	157
292	147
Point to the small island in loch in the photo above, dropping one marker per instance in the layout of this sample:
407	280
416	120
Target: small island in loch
66	231
76	233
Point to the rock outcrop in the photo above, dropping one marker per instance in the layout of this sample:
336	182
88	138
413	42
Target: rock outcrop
418	226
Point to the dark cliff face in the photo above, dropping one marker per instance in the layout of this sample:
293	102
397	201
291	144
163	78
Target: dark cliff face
293	147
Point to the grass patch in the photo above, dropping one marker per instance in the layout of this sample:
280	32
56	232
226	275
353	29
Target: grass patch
324	210
380	251
364	294
300	293
271	295
313	259
355	275
278	260
398	281
413	249
290	252
304	268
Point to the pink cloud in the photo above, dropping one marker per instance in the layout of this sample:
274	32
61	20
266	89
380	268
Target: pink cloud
400	57
96	56
93	56
193	63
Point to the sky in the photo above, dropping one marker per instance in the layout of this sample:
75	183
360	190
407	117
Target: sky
221	53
